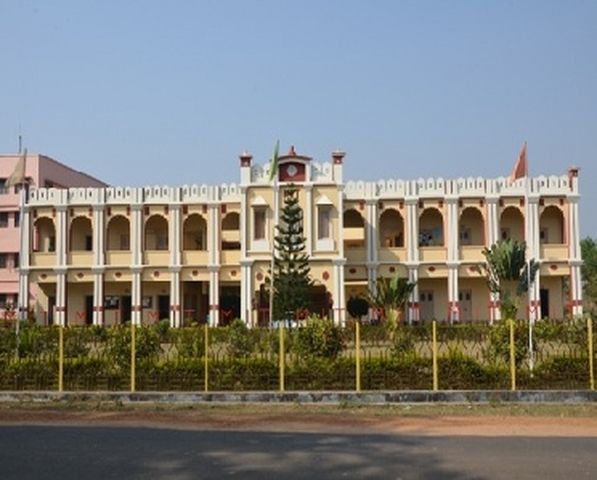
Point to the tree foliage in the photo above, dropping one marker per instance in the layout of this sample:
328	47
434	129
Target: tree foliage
588	248
507	272
391	295
292	274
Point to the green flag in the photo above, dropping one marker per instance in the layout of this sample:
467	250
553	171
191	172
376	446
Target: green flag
273	166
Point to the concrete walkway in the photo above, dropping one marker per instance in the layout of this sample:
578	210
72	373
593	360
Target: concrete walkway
319	397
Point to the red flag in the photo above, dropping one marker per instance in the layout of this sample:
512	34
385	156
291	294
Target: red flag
521	169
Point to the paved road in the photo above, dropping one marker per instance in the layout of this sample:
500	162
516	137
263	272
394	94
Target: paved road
101	453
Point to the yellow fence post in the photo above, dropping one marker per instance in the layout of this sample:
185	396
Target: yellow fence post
357	347
60	358
434	353
206	357
512	358
133	357
282	354
591	353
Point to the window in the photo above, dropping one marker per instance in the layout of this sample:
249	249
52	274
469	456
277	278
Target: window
52	244
505	234
3	300
324	222
3	187
161	241
3	258
17	219
543	235
259	223
465	236
3	219
88	243
124	241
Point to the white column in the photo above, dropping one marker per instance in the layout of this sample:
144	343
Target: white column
60	317
575	255
453	305
246	292
175	307
137	235
24	259
371	223
98	298
338	292
136	296
174	241
492	237
492	222
412	221
61	235
413	304
98	235
214	296
308	220
244	223
533	252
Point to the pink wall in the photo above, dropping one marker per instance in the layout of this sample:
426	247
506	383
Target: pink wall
40	169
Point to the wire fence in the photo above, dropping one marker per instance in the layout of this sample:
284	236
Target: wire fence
316	356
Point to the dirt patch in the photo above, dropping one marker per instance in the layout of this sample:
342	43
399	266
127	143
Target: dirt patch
540	421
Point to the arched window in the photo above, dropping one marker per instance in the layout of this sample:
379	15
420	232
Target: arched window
354	229
471	230
81	235
194	233
118	233
512	224
391	229
44	239
431	228
231	231
156	233
551	225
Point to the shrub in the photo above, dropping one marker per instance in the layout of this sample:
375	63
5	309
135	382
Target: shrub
499	342
357	307
320	338
240	342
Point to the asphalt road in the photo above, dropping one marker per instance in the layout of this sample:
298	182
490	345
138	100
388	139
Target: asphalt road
100	453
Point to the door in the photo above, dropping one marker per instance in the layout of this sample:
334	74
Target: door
51	307
426	305
164	307
466	305
88	309
544	298
125	309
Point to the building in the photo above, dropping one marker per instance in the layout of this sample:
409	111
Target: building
40	172
196	252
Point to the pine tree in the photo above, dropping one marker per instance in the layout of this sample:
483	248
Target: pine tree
292	274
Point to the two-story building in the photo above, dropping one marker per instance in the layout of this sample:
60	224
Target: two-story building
196	252
40	171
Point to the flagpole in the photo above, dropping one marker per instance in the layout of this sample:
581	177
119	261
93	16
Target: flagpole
273	173
23	303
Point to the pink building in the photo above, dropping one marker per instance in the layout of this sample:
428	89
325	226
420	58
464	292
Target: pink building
40	171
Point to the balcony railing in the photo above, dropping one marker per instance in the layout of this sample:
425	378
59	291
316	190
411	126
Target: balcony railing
230	257
80	259
432	254
355	255
472	253
118	257
553	252
43	259
392	254
195	257
156	257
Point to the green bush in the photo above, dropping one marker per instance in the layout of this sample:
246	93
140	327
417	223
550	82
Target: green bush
240	342
319	338
499	342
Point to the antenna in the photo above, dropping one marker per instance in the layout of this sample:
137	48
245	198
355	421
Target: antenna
20	139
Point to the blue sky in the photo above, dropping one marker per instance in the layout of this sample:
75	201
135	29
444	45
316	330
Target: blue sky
142	92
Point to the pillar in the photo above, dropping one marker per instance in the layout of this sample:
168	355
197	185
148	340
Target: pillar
24	259
308	221
60	316
214	296
246	292
338	292
413	304
575	255
533	252
492	237
175	304
98	298
453	262
136	297
453	305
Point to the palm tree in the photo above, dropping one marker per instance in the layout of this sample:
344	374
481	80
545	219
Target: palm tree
507	272
391	296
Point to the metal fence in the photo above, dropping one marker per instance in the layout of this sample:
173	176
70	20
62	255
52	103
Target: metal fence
319	356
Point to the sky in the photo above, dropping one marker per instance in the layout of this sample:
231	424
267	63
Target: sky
155	92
